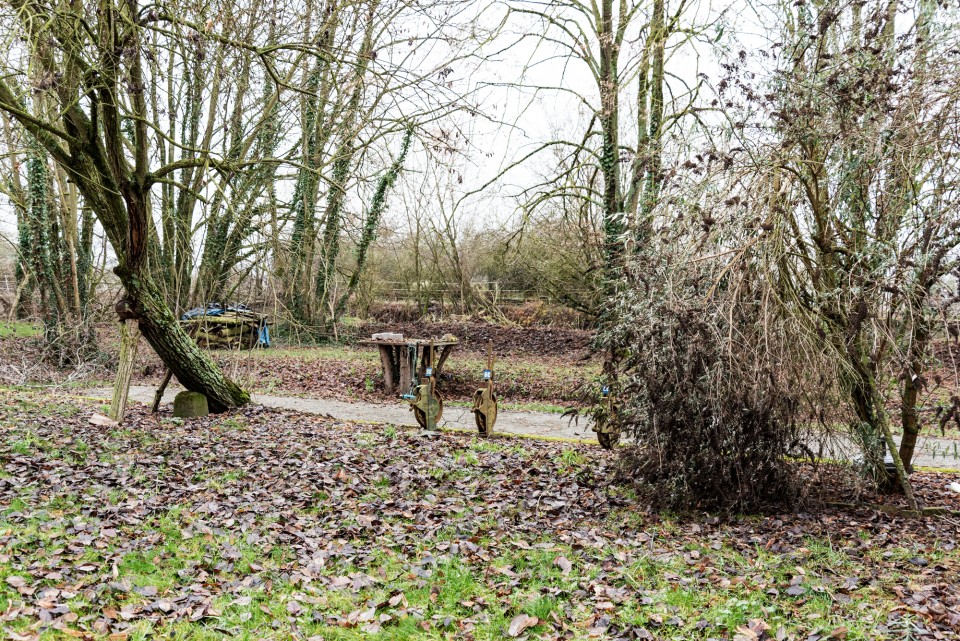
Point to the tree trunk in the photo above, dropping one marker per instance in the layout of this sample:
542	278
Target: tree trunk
129	337
909	416
377	206
158	395
863	394
192	367
919	338
609	116
899	468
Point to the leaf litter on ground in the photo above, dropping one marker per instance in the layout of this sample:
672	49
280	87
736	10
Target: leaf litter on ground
276	524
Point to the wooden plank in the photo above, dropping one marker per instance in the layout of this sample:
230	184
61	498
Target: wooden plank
443	358
159	394
129	337
385	361
406	376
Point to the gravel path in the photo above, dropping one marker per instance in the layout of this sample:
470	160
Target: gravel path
931	451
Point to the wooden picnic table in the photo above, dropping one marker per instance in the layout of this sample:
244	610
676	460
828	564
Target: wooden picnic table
402	358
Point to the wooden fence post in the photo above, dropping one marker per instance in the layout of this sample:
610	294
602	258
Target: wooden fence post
129	337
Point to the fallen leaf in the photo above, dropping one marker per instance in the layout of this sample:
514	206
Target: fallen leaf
294	608
103	421
16	581
520	623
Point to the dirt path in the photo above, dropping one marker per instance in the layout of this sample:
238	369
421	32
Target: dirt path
540	424
931	451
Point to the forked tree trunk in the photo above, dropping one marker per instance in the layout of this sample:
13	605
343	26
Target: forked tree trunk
129	337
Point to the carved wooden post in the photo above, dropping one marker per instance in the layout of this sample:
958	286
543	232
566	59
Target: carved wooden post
129	337
385	361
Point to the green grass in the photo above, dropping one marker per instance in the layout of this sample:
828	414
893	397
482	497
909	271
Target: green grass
649	593
572	458
19	329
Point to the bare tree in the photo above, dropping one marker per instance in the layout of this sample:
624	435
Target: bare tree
397	76
591	165
90	64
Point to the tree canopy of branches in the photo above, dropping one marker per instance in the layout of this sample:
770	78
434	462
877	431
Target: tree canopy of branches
615	164
170	125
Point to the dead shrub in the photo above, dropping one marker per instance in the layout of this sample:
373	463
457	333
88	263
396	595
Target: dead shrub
536	313
707	388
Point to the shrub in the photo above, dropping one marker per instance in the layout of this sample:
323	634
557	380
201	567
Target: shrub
708	388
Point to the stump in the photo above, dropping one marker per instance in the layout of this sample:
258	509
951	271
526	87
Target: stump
190	404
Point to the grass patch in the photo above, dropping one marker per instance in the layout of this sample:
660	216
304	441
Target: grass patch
19	329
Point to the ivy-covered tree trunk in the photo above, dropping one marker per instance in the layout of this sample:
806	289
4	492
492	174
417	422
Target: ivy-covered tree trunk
22	272
609	85
377	206
342	164
299	278
49	247
253	191
41	249
85	282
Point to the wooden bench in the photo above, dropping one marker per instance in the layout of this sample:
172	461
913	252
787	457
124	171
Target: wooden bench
403	358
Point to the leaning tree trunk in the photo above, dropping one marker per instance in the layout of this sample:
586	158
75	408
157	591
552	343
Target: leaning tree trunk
111	168
192	367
